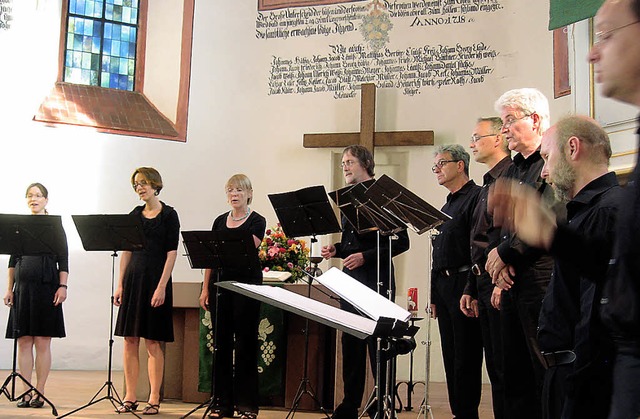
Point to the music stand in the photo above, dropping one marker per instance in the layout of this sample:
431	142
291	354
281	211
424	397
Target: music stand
421	217
366	215
113	232
405	205
305	212
384	318
219	250
26	235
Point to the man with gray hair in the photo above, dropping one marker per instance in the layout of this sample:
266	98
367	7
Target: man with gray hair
520	271
460	335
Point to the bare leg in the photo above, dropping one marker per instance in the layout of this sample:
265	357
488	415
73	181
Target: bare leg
43	360
25	358
131	367
156	369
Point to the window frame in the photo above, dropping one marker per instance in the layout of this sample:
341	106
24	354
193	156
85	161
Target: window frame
180	124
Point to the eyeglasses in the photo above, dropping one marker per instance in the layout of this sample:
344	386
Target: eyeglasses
475	138
236	190
142	183
602	36
347	163
512	120
36	196
440	164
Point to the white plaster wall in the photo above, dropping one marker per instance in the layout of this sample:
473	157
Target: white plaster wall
162	67
234	126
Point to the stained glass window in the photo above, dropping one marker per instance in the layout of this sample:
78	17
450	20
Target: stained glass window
101	43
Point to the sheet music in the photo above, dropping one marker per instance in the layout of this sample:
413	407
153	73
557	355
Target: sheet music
351	323
362	297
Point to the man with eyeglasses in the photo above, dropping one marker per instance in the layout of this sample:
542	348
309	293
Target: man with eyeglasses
616	60
522	272
451	263
359	254
481	298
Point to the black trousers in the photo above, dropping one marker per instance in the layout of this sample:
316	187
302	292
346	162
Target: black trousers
625	400
461	345
236	383
523	365
554	391
492	341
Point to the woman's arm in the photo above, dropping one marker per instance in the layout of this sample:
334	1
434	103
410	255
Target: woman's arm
125	258
158	296
8	297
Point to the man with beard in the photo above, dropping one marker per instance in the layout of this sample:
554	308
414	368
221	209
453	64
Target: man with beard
578	354
616	60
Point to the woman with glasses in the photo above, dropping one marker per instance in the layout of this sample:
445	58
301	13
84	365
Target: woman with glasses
37	287
144	291
235	385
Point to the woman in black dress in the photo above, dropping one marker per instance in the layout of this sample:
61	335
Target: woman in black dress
236	384
144	292
36	290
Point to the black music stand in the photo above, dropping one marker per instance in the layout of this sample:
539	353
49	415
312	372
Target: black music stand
26	235
405	205
219	250
305	212
114	232
366	215
421	217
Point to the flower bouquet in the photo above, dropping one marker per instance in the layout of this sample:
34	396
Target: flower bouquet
279	253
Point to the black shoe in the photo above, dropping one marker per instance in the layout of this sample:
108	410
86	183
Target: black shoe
24	401
345	412
36	403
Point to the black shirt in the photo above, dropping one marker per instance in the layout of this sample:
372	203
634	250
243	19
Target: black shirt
511	250
620	302
451	245
566	319
482	230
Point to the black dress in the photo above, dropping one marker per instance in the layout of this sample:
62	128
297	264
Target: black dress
36	281
136	317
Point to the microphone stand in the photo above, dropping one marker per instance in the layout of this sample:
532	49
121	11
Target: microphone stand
425	407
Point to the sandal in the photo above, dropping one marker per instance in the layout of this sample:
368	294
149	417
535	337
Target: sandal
220	413
151	409
127	406
248	415
24	402
36	402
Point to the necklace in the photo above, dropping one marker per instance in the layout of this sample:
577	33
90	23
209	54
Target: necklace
241	218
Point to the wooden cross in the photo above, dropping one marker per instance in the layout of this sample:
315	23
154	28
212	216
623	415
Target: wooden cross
368	136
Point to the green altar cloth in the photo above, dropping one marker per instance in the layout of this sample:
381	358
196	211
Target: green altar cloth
271	354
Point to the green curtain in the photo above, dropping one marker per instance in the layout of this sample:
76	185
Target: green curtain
566	12
271	354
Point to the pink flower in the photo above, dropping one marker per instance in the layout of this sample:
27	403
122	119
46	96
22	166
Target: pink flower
290	265
273	251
